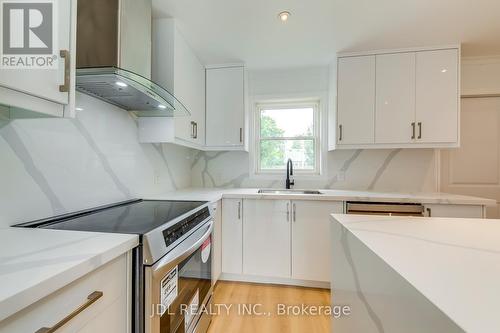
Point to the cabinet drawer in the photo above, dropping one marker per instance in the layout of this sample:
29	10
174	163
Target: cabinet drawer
460	211
109	313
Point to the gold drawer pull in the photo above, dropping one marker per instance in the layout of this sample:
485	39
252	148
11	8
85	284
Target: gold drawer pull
67	70
91	299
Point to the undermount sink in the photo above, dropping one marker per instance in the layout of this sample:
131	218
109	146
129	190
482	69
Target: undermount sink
289	192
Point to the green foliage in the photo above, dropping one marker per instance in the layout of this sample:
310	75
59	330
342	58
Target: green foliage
272	152
309	152
268	127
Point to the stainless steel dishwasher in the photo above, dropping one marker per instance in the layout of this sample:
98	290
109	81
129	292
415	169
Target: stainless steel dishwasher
385	208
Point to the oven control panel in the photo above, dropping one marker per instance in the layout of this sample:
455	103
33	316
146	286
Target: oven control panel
185	226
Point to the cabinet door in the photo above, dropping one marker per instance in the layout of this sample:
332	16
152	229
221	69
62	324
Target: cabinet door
217	242
437	96
189	88
266	238
395	98
356	100
311	239
460	211
232	236
44	83
225	107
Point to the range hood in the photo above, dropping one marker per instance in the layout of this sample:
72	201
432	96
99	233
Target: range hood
113	58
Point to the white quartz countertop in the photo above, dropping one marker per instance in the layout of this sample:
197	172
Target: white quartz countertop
36	262
214	194
455	263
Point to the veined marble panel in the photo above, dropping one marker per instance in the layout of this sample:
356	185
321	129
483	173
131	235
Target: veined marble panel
55	166
380	300
398	170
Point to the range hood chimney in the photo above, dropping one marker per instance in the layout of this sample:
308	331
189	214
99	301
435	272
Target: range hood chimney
113	57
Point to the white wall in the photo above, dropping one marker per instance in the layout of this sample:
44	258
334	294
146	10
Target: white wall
383	170
54	166
480	76
474	168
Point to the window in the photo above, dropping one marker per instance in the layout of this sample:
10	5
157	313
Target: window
286	131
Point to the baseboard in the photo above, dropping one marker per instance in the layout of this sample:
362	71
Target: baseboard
274	280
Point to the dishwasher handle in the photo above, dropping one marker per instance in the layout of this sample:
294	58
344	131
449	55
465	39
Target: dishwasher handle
368	208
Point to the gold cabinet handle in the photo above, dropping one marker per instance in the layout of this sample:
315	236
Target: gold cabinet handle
91	299
67	69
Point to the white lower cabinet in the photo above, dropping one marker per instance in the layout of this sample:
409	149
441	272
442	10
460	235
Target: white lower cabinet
217	242
289	241
109	313
232	236
459	211
311	239
266	238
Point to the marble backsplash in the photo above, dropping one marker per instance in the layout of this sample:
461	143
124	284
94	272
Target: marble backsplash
401	170
54	166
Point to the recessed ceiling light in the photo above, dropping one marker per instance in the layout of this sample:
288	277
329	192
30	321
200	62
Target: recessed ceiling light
121	84
161	106
283	16
444	70
79	109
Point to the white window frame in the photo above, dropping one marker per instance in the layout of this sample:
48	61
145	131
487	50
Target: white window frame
315	105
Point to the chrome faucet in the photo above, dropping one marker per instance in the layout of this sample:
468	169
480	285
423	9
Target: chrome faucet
289	172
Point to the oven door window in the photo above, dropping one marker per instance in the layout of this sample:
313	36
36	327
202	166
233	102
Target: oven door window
193	287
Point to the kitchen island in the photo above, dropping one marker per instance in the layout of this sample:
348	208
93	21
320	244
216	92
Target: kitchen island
403	274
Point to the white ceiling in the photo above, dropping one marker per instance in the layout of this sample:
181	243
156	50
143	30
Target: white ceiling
249	30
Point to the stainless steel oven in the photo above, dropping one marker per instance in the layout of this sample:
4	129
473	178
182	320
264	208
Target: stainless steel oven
178	288
171	267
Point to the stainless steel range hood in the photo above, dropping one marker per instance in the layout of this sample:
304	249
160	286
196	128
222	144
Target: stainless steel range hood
114	58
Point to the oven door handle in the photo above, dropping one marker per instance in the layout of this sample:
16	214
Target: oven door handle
184	249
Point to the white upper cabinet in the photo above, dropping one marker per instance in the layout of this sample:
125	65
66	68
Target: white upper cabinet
398	99
395	98
225	112
45	90
176	68
356	100
437	96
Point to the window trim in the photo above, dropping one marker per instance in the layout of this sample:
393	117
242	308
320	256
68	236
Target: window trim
317	136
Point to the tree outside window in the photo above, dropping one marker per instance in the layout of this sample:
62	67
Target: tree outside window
287	131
